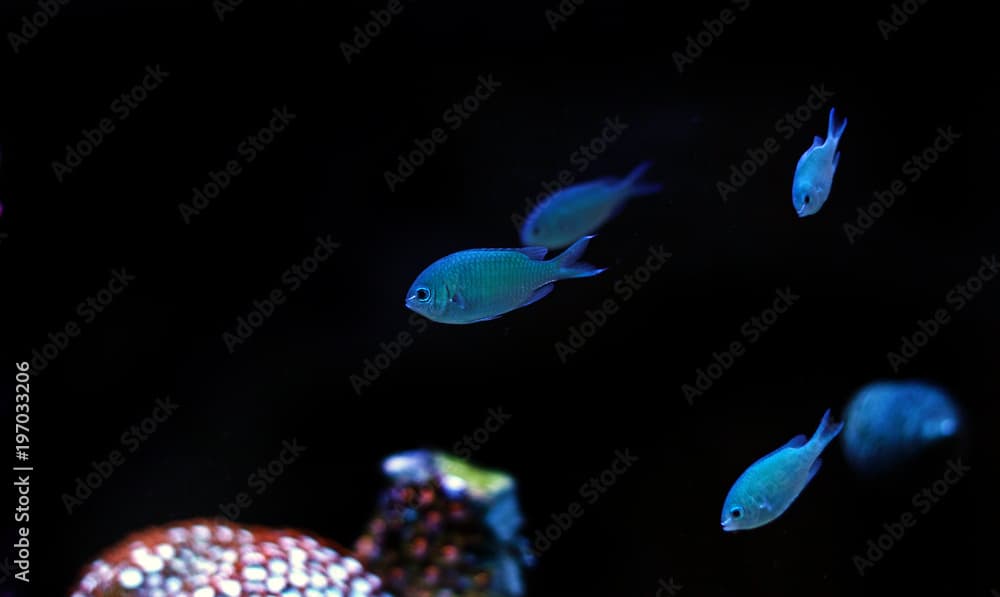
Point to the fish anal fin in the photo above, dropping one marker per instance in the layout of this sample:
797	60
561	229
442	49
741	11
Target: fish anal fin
813	469
540	293
486	318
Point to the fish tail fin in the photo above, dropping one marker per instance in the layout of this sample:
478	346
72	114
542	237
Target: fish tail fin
568	264
834	132
632	185
826	431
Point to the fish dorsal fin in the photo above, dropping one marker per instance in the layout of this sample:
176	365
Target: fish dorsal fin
796	442
817	141
534	253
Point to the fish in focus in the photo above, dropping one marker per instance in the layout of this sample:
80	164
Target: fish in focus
766	489
446	527
887	423
483	284
582	209
207	558
814	172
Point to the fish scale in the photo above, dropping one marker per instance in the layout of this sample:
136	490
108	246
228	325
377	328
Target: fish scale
511	270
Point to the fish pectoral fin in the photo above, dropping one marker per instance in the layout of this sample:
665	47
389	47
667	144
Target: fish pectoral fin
813	469
457	299
540	293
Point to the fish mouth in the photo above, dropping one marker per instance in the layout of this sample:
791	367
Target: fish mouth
725	522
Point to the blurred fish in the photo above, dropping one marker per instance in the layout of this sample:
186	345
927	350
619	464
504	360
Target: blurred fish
766	489
814	172
446	527
483	284
889	422
581	209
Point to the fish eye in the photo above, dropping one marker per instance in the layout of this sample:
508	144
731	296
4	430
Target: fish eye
423	295
736	513
536	229
806	199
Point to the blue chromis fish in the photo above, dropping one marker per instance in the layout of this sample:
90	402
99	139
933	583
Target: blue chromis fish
814	172
483	284
888	423
581	209
766	489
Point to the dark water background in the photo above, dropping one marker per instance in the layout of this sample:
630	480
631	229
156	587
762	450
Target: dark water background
621	390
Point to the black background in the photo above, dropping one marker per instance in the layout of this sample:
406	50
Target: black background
324	175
